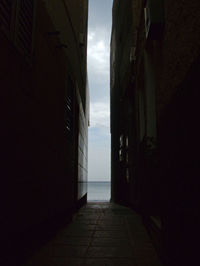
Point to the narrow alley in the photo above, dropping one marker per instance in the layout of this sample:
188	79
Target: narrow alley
151	128
101	234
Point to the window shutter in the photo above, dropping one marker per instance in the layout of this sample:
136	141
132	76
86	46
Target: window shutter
24	26
68	108
6	11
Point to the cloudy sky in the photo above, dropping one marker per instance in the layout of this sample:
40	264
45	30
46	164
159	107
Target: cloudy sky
99	32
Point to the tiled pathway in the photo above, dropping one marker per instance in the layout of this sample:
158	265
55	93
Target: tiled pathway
102	234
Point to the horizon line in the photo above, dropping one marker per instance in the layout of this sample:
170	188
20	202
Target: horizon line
98	181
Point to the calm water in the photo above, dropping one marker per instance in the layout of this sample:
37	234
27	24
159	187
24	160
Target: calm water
98	191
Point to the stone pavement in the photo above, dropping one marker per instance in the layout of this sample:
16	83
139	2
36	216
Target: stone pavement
101	234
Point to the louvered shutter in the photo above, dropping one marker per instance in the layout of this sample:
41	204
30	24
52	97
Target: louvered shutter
6	15
24	26
68	108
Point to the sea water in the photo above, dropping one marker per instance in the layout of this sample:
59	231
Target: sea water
98	191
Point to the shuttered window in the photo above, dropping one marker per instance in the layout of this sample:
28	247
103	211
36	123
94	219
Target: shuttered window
6	12
24	26
69	107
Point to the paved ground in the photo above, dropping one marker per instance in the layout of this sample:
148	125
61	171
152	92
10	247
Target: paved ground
101	234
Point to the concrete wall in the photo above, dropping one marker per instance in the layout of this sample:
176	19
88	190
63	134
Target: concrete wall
39	160
72	19
82	154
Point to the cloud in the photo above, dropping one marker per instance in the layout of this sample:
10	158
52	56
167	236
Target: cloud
91	36
98	53
100	114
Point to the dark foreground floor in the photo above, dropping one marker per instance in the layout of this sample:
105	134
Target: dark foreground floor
101	234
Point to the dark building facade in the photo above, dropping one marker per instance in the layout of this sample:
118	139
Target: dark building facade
154	113
44	112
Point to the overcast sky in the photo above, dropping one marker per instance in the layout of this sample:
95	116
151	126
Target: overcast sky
99	32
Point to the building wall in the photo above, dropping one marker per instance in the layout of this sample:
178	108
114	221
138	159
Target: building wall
82	154
121	68
166	63
40	117
160	119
